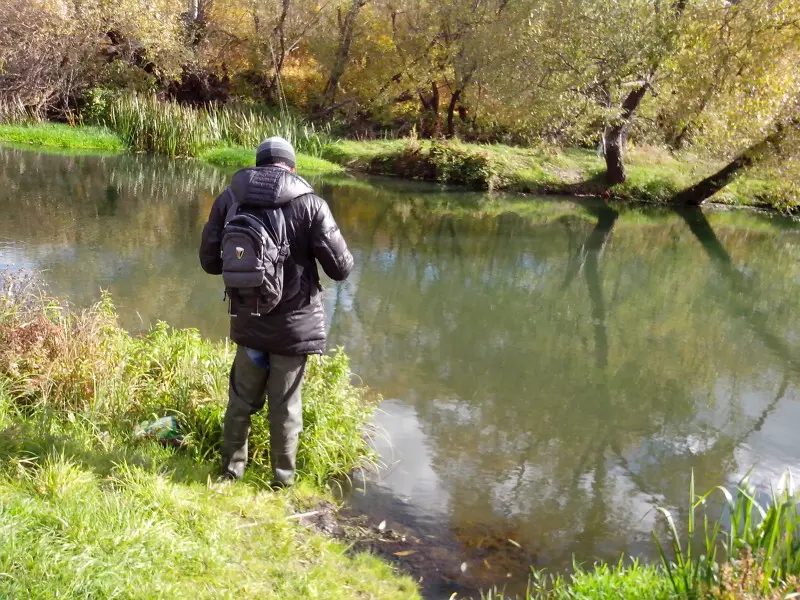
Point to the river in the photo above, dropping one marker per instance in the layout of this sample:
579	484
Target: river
551	370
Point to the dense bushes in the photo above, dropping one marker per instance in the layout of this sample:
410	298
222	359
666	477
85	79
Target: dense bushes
445	162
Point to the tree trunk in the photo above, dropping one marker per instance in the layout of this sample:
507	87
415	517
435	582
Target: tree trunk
613	143
346	30
451	110
461	85
616	136
431	125
197	16
703	190
281	56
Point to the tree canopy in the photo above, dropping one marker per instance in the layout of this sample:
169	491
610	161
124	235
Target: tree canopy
713	75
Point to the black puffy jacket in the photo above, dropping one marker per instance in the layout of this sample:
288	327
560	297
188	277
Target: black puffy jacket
296	325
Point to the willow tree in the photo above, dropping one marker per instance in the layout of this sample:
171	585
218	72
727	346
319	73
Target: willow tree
750	112
733	68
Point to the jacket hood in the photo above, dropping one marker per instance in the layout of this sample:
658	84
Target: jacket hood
269	186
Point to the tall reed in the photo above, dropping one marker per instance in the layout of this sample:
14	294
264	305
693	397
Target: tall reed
148	124
766	531
14	111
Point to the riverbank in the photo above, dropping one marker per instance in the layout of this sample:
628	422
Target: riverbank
654	175
93	508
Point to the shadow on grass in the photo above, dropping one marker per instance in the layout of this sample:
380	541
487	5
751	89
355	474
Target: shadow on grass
102	451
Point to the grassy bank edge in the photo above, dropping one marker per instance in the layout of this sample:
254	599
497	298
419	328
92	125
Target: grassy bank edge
92	139
654	174
92	509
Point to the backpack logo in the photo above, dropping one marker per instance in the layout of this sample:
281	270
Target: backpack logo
239	252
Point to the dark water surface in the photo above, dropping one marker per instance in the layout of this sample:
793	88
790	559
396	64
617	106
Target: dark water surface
552	371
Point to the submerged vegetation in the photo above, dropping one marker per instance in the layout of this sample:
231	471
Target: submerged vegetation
92	510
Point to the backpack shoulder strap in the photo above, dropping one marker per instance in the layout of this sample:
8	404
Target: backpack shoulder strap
278	222
234	207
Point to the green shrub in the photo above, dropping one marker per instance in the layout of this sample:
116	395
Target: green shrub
454	164
444	162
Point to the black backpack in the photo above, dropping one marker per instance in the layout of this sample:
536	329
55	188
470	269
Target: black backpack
254	247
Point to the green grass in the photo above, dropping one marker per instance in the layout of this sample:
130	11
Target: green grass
91	511
62	136
224	137
70	532
766	531
629	581
239	157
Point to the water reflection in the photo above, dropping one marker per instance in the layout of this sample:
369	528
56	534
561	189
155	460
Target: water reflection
552	371
572	410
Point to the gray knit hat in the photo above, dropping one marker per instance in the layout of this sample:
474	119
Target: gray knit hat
273	150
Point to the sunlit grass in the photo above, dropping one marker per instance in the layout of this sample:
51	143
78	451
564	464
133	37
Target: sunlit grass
749	551
237	157
654	175
141	533
62	136
54	361
625	580
766	531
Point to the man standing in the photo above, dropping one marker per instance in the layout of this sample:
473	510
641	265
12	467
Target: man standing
273	346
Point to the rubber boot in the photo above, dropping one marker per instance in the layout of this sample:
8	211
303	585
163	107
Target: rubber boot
235	431
283	456
285	388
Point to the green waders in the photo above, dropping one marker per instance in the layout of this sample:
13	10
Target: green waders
250	385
